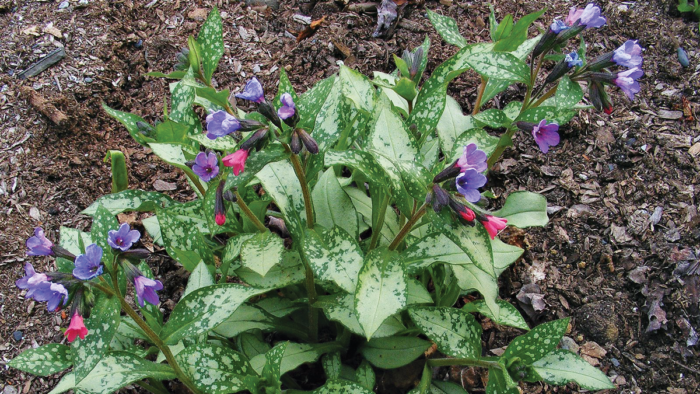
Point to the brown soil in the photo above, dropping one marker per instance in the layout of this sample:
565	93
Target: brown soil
602	182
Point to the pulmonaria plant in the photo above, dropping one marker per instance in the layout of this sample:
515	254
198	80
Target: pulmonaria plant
342	226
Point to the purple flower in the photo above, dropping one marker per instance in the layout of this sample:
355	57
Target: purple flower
546	135
146	289
472	158
221	123
206	166
51	292
572	60
557	26
31	280
39	245
628	55
627	81
589	16
88	265
468	184
122	239
253	91
288	108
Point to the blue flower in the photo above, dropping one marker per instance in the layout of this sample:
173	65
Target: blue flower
206	166
39	245
572	60
123	239
31	280
468	184
221	123
253	91
51	292
288	108
89	265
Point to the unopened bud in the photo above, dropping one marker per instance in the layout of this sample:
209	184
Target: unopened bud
219	210
308	142
295	143
567	34
545	44
441	198
230	196
525	126
249	125
136	254
450	172
62	252
603	61
255	140
268	111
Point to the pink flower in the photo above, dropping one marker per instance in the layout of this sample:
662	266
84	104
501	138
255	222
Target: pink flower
236	160
76	328
467	214
493	225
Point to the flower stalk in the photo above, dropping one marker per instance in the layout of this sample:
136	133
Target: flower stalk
407	227
251	216
476	362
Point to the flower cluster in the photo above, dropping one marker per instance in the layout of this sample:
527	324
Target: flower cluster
58	289
467	173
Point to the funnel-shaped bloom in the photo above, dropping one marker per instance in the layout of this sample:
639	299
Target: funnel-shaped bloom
493	225
468	184
206	166
76	328
54	293
39	245
236	160
123	238
627	81
221	123
88	265
31	280
146	290
253	91
546	135
628	55
288	109
589	16
473	158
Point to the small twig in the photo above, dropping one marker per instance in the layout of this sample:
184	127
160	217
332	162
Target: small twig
685	367
42	105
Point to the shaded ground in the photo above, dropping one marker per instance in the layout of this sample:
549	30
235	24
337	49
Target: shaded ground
603	183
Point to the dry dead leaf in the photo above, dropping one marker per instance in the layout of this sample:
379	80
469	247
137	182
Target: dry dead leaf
31	31
311	29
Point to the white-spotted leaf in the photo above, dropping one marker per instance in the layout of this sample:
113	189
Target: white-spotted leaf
45	360
562	366
456	332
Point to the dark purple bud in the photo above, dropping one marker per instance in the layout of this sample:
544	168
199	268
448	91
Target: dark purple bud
219	209
136	254
295	143
268	111
602	77
448	173
546	43
308	142
255	140
598	97
568	34
601	62
525	126
250	125
230	196
558	71
441	198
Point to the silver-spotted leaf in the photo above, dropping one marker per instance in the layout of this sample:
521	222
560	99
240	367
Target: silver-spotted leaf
45	360
456	332
562	366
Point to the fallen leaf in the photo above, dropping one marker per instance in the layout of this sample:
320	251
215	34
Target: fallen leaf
311	29
31	31
592	349
638	275
161	185
619	234
50	29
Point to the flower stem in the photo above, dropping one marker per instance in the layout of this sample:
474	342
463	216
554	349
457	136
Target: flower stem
500	147
480	95
380	222
151	335
196	183
407	227
545	96
308	204
311	294
251	216
477	362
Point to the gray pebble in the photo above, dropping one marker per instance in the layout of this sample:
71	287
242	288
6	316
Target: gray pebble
10	390
17	335
63	5
88	80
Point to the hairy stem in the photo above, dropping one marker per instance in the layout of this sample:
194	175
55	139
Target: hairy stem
311	293
500	148
480	95
308	204
151	335
476	362
251	216
407	227
380	223
544	97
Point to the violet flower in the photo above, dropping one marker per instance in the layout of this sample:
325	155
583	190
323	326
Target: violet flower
123	238
253	91
473	158
221	123
39	245
468	184
627	81
288	109
146	289
628	55
206	166
588	17
546	135
557	26
572	60
89	265
54	293
31	280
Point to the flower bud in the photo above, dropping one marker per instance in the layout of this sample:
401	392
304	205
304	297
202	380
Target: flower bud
255	140
249	125
448	173
568	34
598	97
603	61
268	111
219	209
525	126
441	198
136	254
295	143
545	44
62	252
230	196
308	142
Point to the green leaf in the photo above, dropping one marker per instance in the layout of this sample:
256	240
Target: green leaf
172	132
102	325
215	369
340	307
173	155
211	41
358	88
333	207
435	247
291	271
415	178
310	103
452	124
456	332
562	366
334	256
360	161
519	33
495	86
201	276
120	178
262	252
204	309
256	162
475	242
417	293
569	93
212	100
182	100
332	365
172	75
233	248
537	343
493	117
552	114
393	352
381	289
251	344
500	65
285	86
281	183
253	317
363	205
524	209
102	222
439	387
389	135
183	242
509	316
470	277
447	28
498	383
294	355
129	121
364	375
271	371
504	28
129	200
333	116
398	189
45	360
504	255
483	140
226	143
341	386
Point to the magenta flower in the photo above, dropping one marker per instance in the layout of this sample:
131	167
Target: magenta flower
589	16
468	184
221	123
54	293
89	265
39	245
76	328
253	91
473	158
236	160
627	81
123	238
31	280
206	166
493	225
546	135
146	290
628	55
288	108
